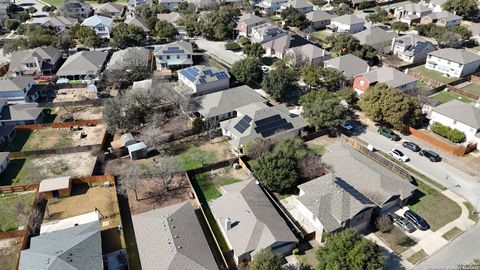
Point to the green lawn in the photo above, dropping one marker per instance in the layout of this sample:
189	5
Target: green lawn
322	35
193	157
390	238
436	208
209	185
9	216
445	96
473	88
451	233
417	257
471	211
432	74
316	149
26	140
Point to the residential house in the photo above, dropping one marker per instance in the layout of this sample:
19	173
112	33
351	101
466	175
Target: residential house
203	79
257	120
4	161
20	89
475	28
7	134
20	114
453	62
38	61
77	9
386	75
381	186
58	23
57	187
173	55
436	5
66	223
349	64
249	221
269	6
129	57
132	4
111	10
443	18
83	65
278	46
171	238
319	18
246	22
411	12
412	48
172	17
459	115
346	23
78	247
169	4
101	24
329	204
376	37
307	54
223	105
137	22
266	32
302	6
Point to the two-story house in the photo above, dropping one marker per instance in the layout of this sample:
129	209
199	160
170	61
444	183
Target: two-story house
101	24
303	6
77	9
5	7
453	62
443	18
269	6
349	64
132	4
386	75
20	89
346	23
412	48
266	32
38	61
140	22
246	22
177	54
319	19
203	79
411	12
307	54
110	10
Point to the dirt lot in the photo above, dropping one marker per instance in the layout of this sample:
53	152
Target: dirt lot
74	94
9	253
78	112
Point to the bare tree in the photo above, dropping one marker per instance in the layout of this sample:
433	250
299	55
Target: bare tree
295	60
129	181
23	211
311	166
153	137
165	169
36	217
210	125
384	224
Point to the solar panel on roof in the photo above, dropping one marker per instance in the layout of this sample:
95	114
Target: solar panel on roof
268	120
243	124
270	125
207	72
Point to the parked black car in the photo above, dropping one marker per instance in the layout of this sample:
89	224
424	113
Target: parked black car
416	220
412	146
432	156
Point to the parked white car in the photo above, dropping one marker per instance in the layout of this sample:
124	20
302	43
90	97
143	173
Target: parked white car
399	155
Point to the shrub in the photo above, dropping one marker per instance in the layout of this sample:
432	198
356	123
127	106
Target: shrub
384	224
232	46
243	41
453	135
295	251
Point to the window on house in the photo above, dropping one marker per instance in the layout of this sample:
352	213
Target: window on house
160	57
101	28
168	56
362	83
178	56
47	60
189	56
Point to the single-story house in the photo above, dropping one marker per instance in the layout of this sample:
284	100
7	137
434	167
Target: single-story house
330	204
202	79
101	24
443	18
83	65
4	161
223	105
58	23
349	64
376	37
172	17
78	247
57	225
319	18
132	56
302	6
412	48
173	55
381	186
137	150
55	187
249	222
387	75
346	23
137	22
453	62
308	54
459	115
246	22
20	114
257	120
171	238
38	61
110	10
20	89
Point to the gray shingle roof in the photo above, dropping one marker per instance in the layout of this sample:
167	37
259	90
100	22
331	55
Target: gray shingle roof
29	56
172	238
256	223
79	247
332	200
319	15
15	83
375	35
251	19
83	62
109	8
278	45
461	112
444	15
123	58
389	76
414	8
310	52
225	101
298	4
350	64
20	112
348	19
171	17
373	180
460	56
96	20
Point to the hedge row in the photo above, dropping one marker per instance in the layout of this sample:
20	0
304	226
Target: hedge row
454	135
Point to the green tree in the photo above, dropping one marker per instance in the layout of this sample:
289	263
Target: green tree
464	8
277	171
318	77
280	83
380	16
319	3
344	43
124	36
247	70
323	109
400	26
311	76
64	43
293	17
349	95
82	34
93	41
254	50
219	24
390	106
266	260
190	24
349	250
165	31
343	10
12	24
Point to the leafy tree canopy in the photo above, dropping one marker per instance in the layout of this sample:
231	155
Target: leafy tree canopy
254	50
295	18
464	8
124	36
280	83
324	109
247	71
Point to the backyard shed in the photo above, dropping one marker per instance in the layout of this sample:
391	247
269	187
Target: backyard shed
137	150
55	187
124	141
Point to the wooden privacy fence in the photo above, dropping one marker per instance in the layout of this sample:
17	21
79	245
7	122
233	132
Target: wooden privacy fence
458	150
95	179
462	92
13	234
18	188
56	151
80	123
88	102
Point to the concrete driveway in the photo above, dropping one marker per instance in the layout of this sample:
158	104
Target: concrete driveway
217	49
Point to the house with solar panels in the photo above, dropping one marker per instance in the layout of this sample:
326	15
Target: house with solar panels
258	120
177	54
203	79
